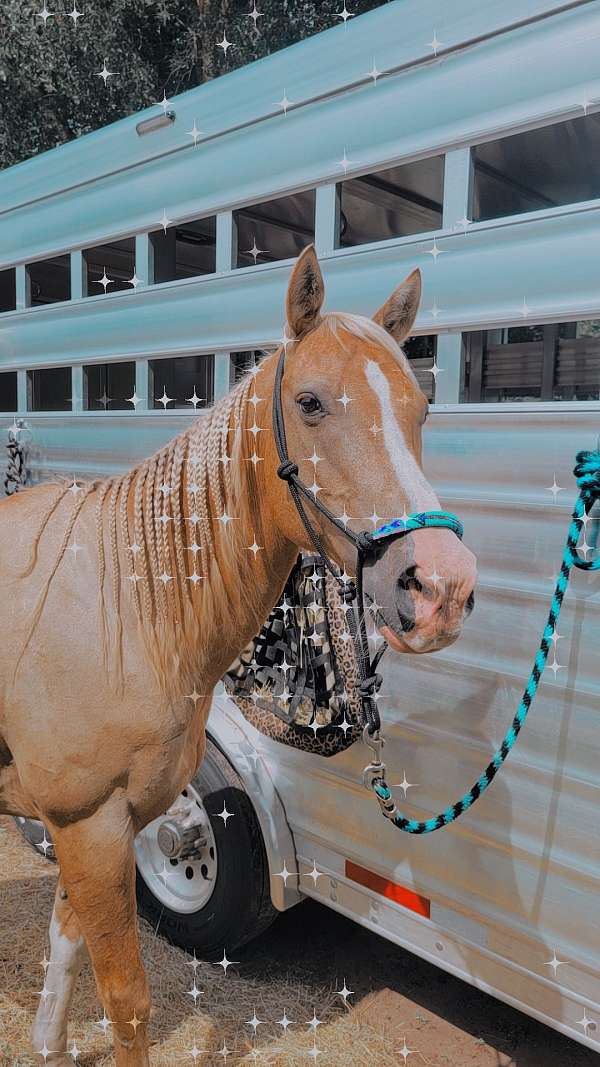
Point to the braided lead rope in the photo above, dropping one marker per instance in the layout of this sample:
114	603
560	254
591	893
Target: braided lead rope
587	473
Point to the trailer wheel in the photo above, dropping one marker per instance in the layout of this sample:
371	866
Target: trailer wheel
202	879
215	897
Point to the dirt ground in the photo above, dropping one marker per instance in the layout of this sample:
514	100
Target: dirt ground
401	1009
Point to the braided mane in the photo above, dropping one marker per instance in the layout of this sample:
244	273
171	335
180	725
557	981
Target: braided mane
192	503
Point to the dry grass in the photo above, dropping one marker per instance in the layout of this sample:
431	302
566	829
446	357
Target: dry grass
220	1018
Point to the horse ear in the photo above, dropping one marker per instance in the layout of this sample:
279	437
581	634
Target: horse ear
399	312
305	293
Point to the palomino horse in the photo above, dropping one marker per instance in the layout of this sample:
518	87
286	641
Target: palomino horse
140	590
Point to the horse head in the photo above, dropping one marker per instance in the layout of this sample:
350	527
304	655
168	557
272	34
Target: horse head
353	413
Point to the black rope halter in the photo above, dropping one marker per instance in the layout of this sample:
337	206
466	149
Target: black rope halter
369	546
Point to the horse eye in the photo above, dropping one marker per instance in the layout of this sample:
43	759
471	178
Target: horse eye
309	405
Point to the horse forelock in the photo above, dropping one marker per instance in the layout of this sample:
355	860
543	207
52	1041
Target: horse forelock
369	331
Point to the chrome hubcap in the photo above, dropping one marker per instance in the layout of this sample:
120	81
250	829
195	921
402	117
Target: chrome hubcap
176	855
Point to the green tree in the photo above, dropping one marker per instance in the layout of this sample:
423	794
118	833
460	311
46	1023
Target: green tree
50	90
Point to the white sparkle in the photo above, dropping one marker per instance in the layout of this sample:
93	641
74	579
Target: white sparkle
194	133
225	963
254	14
374	73
45	14
164	221
255	251
225	519
404	785
585	1022
344	992
555	488
285	103
254	1022
284	873
345	162
345	399
434	251
194	992
225	815
434	44
104	281
314	874
75	15
344	14
405	1051
224	44
555	963
105	73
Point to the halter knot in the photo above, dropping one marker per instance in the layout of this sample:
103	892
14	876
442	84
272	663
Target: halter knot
365	544
287	470
587	473
370	685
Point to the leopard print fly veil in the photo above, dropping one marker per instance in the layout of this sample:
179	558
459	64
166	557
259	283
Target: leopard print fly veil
296	680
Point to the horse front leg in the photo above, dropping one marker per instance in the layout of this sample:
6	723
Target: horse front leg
98	870
67	955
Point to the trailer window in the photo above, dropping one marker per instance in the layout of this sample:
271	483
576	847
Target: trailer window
544	168
553	361
49	389
48	281
185	250
391	203
109	268
108	386
421	352
8	391
185	382
8	290
241	362
274	229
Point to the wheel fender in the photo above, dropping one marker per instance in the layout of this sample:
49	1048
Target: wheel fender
236	739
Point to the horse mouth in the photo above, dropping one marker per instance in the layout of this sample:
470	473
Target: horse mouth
396	638
392	637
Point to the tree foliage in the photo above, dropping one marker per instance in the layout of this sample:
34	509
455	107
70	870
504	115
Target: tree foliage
50	91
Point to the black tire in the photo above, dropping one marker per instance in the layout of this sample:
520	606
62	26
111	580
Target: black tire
240	907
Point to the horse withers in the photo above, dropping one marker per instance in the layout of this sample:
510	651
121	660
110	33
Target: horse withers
140	590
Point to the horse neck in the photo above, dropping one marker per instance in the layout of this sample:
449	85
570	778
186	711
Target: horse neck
229	485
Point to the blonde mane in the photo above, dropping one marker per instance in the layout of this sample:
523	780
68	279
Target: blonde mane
192	503
367	330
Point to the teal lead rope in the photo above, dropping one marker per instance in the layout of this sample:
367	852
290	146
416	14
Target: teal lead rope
587	473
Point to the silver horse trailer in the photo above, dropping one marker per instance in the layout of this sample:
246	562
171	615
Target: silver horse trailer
145	264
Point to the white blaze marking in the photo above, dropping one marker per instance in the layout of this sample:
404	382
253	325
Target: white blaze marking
420	496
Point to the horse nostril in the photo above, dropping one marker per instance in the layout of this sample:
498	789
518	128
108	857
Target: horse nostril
405	584
470	603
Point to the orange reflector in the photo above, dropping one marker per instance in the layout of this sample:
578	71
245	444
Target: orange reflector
391	890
